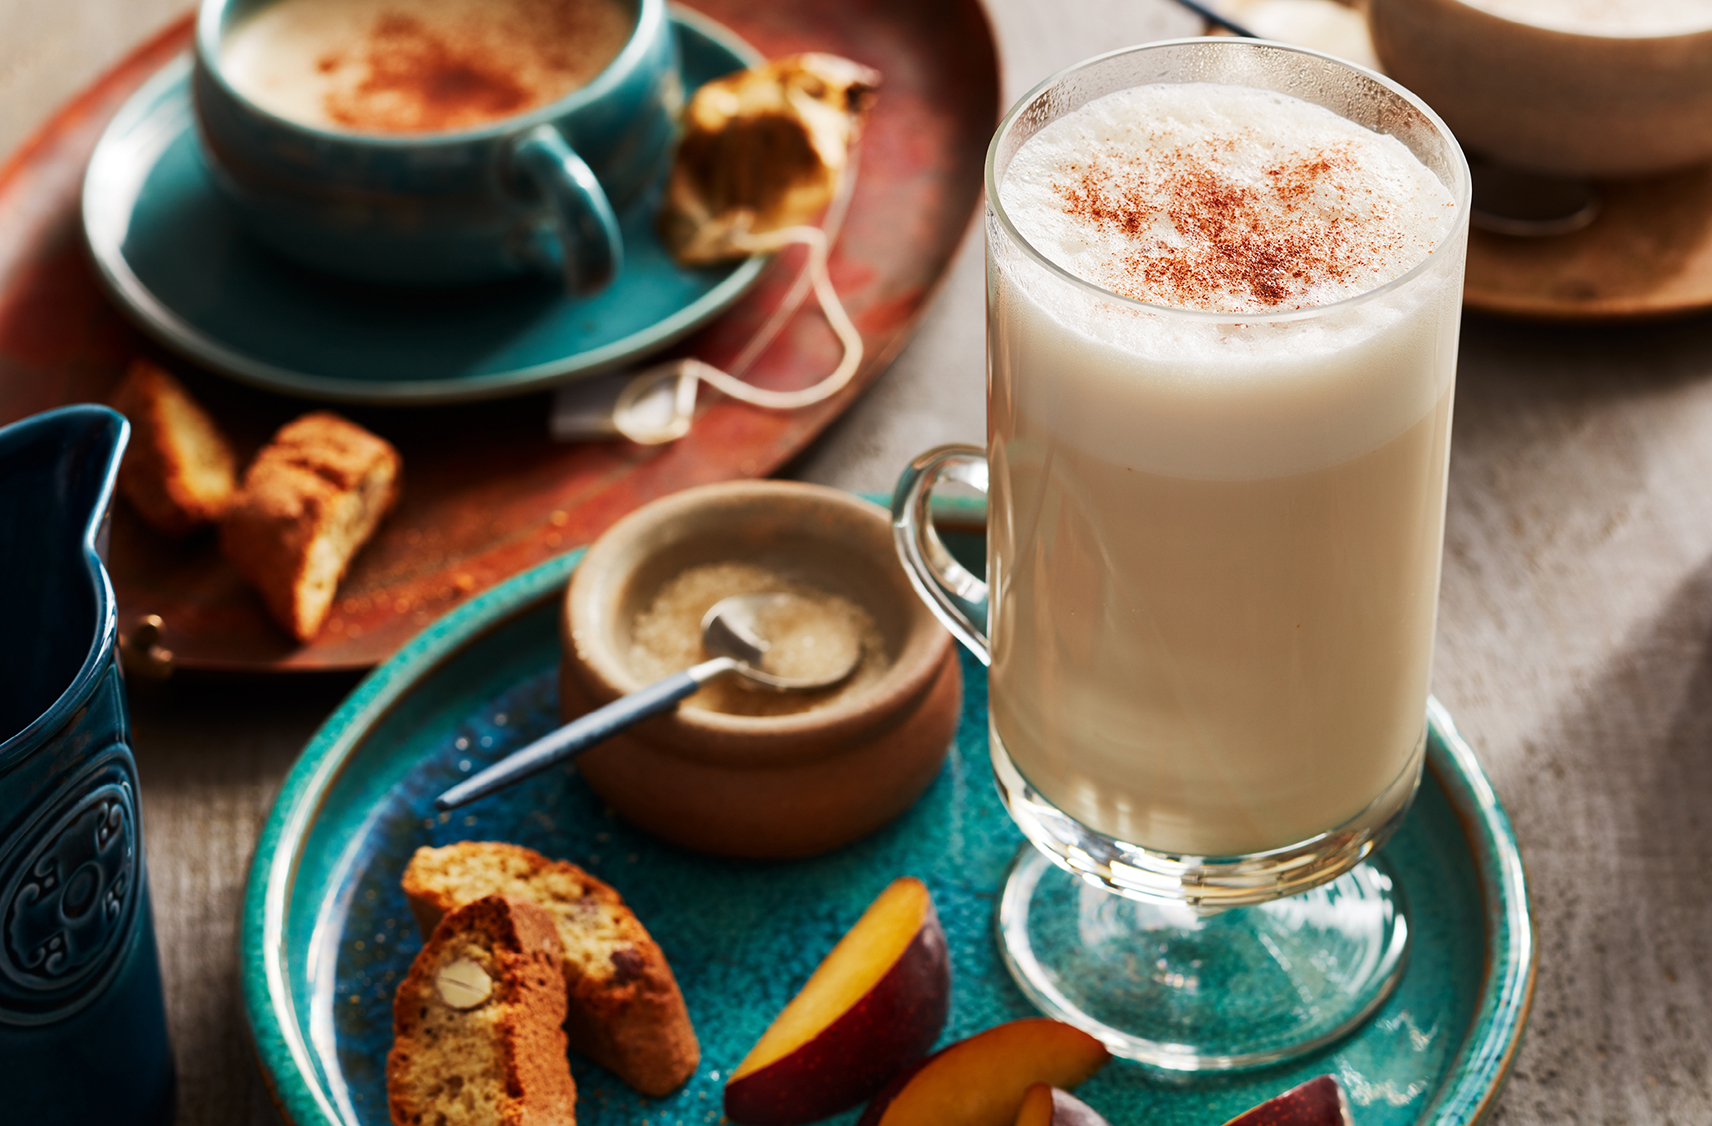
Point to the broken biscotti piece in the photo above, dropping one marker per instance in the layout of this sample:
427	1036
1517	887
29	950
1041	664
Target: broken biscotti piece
179	471
762	150
311	498
625	1011
476	1023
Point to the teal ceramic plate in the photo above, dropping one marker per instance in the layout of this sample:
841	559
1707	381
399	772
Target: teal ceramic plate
169	254
327	935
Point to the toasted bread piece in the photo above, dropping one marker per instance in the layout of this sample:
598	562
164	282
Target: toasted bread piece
762	149
625	1011
312	498
179	471
476	1024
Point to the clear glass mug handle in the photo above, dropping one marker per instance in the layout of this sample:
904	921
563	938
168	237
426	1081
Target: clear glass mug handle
955	596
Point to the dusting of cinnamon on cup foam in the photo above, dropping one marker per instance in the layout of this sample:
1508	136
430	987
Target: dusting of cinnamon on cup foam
1193	196
1266	241
420	66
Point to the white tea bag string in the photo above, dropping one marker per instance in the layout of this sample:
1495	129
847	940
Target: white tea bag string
636	414
639	428
832	223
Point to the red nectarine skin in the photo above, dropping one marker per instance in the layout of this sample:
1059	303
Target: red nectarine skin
982	1080
890	1027
877	1105
1318	1102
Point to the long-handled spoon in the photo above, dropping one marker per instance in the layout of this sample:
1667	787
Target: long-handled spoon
733	630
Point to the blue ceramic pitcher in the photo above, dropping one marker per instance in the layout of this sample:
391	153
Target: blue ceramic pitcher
82	1025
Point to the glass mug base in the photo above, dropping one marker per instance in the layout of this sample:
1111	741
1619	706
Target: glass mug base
1201	883
1187	991
1194	964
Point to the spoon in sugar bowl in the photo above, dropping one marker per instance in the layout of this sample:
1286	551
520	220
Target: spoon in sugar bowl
743	632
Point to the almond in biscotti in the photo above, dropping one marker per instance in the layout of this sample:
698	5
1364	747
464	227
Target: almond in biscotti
311	499
624	1009
477	1036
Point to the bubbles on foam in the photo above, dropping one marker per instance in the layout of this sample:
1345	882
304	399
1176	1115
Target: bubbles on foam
1224	198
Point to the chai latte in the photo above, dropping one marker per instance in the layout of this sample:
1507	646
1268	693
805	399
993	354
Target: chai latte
1215	536
419	66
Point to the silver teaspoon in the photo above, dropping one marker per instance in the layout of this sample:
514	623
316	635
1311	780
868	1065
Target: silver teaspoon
734	631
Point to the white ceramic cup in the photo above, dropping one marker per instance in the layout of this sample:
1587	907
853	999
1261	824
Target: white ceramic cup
1555	96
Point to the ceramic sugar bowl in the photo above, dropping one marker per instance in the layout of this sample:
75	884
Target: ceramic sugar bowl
837	766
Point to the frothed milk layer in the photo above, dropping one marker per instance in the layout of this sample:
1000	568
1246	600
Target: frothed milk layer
413	66
1607	17
1235	200
1214	543
1224	198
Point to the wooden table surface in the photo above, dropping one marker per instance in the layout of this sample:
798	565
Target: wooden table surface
1573	642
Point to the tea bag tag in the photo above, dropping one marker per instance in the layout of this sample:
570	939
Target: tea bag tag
584	410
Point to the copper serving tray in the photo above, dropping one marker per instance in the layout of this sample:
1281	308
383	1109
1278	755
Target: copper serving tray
487	493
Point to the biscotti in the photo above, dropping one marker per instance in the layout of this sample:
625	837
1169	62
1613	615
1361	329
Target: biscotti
179	471
477	1037
312	498
624	1008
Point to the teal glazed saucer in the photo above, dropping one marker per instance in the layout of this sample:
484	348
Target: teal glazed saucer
169	254
327	934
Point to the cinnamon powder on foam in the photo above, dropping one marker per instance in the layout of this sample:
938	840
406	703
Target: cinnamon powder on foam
1222	198
424	69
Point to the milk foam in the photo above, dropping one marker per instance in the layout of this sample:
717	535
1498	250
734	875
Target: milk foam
1200	397
1225	198
419	65
1622	18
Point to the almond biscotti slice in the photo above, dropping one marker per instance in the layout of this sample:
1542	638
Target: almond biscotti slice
477	1036
312	498
625	1010
179	471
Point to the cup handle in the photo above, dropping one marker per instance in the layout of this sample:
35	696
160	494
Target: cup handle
955	596
593	252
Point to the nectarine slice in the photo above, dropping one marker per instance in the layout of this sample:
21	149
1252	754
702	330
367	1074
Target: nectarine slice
981	1081
1054	1106
1318	1102
873	1007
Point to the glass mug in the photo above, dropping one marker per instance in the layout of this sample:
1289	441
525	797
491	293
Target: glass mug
1213	548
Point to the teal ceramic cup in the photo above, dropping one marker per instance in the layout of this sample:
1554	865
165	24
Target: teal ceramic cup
537	193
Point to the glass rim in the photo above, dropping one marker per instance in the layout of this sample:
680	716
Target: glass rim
1463	191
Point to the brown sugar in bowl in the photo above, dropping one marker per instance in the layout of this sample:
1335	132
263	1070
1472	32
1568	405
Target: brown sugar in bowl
761	786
